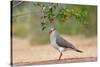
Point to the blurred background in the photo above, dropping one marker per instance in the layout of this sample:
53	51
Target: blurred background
26	22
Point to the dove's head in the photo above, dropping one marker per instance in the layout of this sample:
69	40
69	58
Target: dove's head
52	30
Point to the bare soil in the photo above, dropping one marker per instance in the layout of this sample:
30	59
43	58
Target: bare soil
25	54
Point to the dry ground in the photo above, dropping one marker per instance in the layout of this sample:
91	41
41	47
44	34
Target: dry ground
26	54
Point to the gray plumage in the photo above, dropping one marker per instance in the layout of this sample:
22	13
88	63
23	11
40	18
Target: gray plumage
63	43
60	43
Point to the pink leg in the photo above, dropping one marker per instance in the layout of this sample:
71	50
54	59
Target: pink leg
60	55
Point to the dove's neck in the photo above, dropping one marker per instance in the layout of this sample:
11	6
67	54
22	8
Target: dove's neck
53	37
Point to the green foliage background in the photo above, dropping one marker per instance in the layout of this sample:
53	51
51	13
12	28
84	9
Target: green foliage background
78	20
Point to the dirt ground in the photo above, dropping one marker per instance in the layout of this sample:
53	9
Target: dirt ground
23	52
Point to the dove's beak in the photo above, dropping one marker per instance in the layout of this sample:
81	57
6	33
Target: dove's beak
50	32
